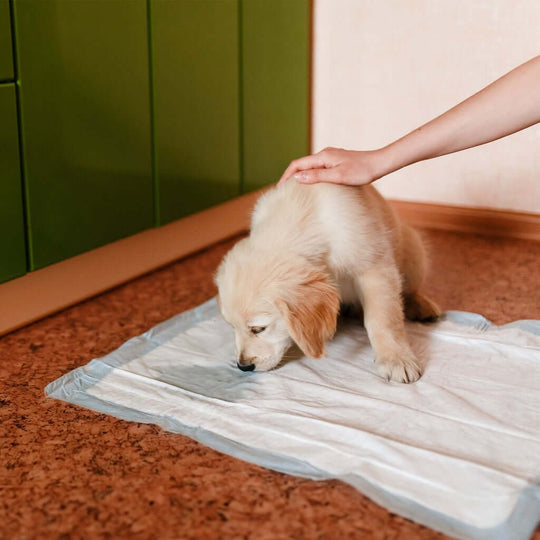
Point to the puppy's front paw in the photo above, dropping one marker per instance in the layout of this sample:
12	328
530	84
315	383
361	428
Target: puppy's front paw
402	368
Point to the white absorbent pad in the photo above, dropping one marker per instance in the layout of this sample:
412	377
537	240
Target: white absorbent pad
458	451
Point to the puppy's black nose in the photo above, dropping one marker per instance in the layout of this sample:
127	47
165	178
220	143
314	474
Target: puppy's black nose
245	367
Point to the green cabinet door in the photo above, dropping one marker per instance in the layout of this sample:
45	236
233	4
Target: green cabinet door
12	247
275	87
6	53
85	106
196	103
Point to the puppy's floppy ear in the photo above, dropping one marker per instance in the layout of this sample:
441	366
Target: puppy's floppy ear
311	313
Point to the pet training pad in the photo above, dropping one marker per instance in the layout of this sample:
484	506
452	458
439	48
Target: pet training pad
459	450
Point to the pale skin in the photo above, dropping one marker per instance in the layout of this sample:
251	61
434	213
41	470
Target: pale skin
508	105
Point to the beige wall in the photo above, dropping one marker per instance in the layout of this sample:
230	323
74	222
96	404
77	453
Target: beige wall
382	68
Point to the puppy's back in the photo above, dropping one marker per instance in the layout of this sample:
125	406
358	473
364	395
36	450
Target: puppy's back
285	217
349	225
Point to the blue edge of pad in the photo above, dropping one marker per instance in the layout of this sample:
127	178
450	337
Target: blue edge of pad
519	525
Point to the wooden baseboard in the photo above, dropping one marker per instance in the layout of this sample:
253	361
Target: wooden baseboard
43	292
470	220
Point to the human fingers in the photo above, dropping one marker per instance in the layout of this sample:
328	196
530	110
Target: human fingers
333	175
313	161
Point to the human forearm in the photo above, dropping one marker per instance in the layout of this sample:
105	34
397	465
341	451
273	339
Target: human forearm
509	104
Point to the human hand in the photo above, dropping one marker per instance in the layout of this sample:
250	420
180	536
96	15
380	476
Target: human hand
470	123
337	166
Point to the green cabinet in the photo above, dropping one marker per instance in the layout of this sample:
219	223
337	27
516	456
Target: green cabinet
231	97
275	87
12	244
196	104
134	113
6	52
85	109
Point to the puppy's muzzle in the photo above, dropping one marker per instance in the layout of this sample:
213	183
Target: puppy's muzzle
245	364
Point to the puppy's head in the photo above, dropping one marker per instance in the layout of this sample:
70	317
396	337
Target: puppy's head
272	299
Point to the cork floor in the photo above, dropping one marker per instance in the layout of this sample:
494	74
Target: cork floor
67	472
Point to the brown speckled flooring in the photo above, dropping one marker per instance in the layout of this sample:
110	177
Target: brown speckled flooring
66	472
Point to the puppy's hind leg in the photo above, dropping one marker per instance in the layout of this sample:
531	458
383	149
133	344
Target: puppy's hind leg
420	308
413	267
379	290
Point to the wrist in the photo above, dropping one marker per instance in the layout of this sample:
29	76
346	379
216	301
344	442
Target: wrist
396	155
383	162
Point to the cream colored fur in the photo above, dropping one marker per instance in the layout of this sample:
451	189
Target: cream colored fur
312	248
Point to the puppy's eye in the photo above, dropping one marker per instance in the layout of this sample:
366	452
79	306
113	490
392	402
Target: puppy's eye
257	329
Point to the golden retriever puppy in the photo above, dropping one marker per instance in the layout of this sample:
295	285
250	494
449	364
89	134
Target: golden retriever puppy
310	249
